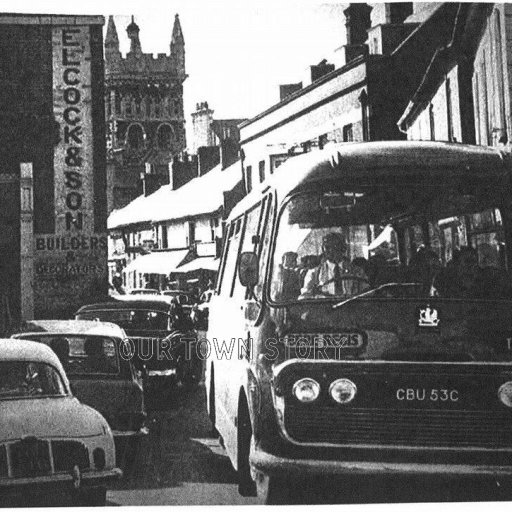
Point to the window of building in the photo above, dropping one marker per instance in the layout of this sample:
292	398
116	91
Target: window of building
449	118
165	238
485	133
165	136
135	136
214	224
348	133
476	96
322	141
502	129
191	233
432	122
128	106
261	169
248	177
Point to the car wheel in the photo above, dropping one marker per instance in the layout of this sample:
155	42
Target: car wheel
246	485
127	451
94	497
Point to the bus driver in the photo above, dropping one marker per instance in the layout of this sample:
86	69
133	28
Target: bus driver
335	275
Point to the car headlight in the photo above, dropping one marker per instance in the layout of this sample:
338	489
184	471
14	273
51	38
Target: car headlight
505	394
306	390
343	391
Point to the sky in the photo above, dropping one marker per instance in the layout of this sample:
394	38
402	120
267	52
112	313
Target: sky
237	51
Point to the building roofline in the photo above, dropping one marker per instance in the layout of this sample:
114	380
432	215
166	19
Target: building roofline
50	19
327	77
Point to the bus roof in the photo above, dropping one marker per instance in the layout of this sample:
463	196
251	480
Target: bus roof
354	158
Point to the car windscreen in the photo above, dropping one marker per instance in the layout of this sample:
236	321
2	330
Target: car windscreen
130	319
25	379
412	239
82	354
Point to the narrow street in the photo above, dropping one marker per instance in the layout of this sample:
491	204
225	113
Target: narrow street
179	463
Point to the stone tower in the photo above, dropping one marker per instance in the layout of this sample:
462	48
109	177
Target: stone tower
144	113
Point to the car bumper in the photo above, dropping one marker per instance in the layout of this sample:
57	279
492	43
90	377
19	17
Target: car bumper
270	464
59	482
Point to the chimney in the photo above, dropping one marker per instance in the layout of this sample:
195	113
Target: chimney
321	69
150	181
229	149
208	157
357	22
286	89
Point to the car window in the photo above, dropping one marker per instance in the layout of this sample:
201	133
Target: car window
81	354
129	319
25	379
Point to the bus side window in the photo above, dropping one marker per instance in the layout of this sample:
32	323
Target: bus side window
230	257
249	243
264	232
222	266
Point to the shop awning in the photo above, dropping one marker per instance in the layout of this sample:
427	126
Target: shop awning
204	263
157	262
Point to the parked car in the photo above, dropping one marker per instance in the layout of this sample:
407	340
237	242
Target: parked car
144	291
161	333
93	355
50	443
182	296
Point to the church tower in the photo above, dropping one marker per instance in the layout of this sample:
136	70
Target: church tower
144	113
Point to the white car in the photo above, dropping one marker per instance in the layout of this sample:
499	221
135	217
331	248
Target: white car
50	443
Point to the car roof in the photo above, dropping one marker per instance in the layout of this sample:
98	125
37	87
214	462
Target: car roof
160	304
24	350
90	327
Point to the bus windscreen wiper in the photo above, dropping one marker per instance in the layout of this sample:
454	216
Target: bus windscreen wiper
373	290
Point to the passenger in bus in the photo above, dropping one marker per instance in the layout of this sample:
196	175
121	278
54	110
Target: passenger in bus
465	278
335	275
287	283
423	268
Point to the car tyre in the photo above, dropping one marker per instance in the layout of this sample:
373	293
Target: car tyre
246	485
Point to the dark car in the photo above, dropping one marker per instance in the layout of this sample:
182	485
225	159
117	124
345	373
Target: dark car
160	334
92	356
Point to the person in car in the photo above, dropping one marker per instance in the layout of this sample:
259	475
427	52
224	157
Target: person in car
96	361
335	275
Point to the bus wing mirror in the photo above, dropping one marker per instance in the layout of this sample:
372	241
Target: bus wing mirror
248	269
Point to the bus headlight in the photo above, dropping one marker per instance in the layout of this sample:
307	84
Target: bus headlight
343	391
505	394
306	390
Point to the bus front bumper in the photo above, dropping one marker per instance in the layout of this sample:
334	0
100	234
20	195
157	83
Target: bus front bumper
270	464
